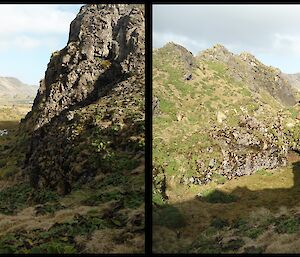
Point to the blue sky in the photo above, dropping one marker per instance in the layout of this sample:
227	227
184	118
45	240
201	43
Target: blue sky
270	32
29	34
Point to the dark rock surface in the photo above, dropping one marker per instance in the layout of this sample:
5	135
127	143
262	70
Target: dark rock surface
106	44
95	83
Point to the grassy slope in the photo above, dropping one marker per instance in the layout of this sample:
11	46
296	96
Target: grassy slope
178	144
258	213
108	208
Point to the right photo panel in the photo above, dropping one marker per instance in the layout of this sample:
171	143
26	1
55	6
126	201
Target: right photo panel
226	112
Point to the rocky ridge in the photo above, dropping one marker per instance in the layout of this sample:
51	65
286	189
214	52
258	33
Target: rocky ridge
72	172
245	67
211	133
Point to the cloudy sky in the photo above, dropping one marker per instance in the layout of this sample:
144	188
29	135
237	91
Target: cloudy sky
29	34
270	32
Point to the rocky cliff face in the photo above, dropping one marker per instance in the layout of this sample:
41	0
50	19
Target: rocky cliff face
106	45
88	115
246	148
251	146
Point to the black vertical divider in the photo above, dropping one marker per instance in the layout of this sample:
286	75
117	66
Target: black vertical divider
148	135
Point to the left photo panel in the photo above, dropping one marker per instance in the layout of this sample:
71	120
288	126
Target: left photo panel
72	128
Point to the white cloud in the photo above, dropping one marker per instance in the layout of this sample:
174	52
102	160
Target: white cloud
192	45
29	18
26	42
31	26
287	43
268	31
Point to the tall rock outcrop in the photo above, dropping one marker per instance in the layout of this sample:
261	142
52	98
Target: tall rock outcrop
106	44
90	104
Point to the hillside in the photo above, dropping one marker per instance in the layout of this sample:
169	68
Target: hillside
13	89
72	173
218	118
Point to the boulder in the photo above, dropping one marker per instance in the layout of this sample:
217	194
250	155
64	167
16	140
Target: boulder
188	76
221	116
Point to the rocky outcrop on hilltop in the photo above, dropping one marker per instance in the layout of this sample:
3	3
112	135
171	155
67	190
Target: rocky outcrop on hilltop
88	115
185	55
217	53
184	58
246	68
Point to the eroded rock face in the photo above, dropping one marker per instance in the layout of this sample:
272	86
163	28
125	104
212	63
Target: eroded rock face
247	148
106	44
250	147
186	56
96	83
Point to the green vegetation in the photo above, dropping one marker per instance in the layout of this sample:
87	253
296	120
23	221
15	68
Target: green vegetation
108	196
263	172
105	64
18	197
219	179
205	245
284	224
219	223
14	198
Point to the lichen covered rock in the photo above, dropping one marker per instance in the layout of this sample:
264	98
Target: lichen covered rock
250	147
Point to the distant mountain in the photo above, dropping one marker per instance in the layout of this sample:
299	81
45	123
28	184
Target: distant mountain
13	88
293	79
